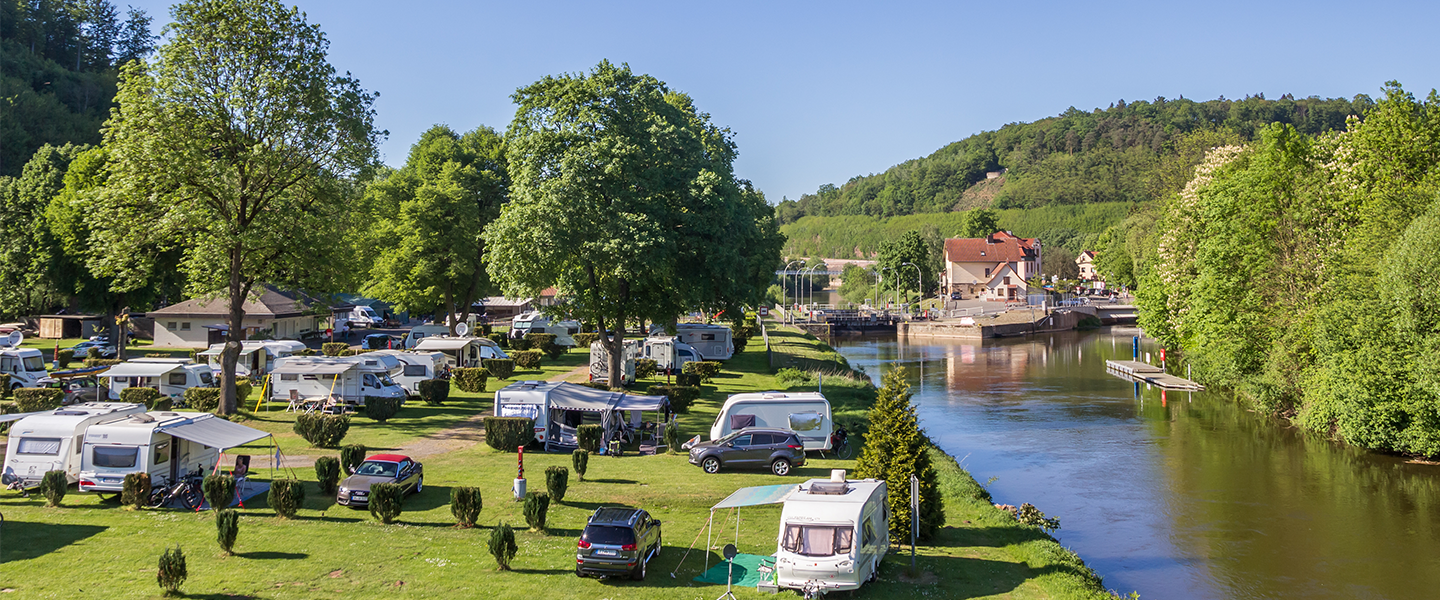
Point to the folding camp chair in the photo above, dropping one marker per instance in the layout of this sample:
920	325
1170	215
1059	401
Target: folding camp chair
294	401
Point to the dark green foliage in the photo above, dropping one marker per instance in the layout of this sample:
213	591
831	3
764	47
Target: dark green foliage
381	408
681	396
327	474
470	380
583	340
1089	322
37	399
501	368
502	545
227	528
243	387
203	398
1029	515
557	480
322	430
5	385
788	377
519	344
135	492
645	368
687	379
351	455
435	392
580	460
387	500
171	573
64	357
285	497
526	359
219	490
499	339
672	438
705	369
102	362
588	437
537	506
508	433
334	348
599	385
913	248
894	449
465	505
545	342
53	485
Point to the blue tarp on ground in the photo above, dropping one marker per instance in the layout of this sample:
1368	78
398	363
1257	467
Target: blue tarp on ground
746	573
758	495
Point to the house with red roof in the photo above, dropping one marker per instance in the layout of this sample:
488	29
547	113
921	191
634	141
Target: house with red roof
994	267
1086	262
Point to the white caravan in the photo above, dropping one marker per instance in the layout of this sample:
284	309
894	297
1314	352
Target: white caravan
349	378
171	376
805	413
833	534
669	353
534	322
52	440
420	332
167	445
462	351
25	366
257	357
600	361
415	367
713	342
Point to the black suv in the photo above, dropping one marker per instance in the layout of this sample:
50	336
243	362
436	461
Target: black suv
617	541
751	447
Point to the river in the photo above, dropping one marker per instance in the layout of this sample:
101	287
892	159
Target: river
1180	495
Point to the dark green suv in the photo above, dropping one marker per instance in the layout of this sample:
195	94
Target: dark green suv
617	541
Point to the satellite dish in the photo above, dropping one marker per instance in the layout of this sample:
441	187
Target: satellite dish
462	328
15	338
730	551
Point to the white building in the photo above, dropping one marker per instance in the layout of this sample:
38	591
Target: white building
994	267
199	322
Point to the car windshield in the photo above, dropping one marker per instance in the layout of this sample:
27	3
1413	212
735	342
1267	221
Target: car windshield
608	535
377	468
385	381
34	363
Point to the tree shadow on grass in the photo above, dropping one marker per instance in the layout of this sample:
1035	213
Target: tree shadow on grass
593	505
26	540
272	555
219	596
545	571
992	537
624	481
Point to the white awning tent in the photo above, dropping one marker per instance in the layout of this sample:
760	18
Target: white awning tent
141	369
307	367
442	343
216	433
244	350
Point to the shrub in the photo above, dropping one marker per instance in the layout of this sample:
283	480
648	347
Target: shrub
687	378
135	492
465	504
37	399
351	456
508	433
5	385
243	387
545	342
502	545
54	484
599	385
519	344
537	504
386	501
681	396
583	340
285	497
64	357
791	377
435	392
322	430
588	437
470	380
227	528
557	480
499	339
202	398
580	459
501	368
381	408
171	573
526	359
334	348
1088	322
645	368
672	438
327	473
706	369
102	362
219	490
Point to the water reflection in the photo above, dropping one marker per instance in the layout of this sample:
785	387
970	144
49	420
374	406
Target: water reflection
1175	494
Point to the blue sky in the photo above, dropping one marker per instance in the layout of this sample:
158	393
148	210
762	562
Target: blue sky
820	92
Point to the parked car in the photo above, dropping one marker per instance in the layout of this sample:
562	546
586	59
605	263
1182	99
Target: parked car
956	296
381	341
780	450
77	390
617	541
380	468
102	346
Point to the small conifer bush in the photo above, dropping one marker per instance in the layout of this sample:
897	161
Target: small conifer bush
322	430
351	456
502	545
557	479
53	485
465	504
537	505
526	359
435	392
327	473
588	437
580	459
202	398
334	348
470	379
285	497
219	490
135	492
386	501
227	528
500	368
381	408
171	574
645	368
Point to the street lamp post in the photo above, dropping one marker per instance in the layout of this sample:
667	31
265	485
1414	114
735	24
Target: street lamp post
809	290
921	276
784	278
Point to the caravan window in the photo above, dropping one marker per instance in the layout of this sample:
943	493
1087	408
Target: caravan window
177	378
205	378
289	377
707	337
414	370
808	421
49	446
162	453
817	540
529	411
115	457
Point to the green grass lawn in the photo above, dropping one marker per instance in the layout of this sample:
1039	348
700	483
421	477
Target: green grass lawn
91	547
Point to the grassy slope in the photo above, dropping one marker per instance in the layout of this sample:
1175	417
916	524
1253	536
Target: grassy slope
333	552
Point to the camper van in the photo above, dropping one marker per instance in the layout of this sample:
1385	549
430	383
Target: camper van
669	353
462	351
534	322
420	332
167	445
52	441
349	378
713	342
558	407
257	357
414	367
171	376
805	413
833	535
600	361
358	317
25	366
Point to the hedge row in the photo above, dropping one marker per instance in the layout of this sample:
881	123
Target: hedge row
470	380
681	396
706	369
500	368
435	392
334	348
526	359
381	408
37	399
645	368
545	342
202	398
583	340
150	397
322	430
508	433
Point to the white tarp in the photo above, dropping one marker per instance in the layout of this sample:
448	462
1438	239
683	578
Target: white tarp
633	402
216	433
217	351
438	343
140	369
570	396
312	368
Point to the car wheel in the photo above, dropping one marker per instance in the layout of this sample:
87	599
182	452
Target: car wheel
780	467
639	573
659	543
579	573
420	484
711	465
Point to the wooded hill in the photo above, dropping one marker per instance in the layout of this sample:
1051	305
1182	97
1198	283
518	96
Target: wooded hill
1118	154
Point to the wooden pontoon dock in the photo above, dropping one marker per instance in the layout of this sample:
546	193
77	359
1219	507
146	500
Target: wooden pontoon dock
1134	370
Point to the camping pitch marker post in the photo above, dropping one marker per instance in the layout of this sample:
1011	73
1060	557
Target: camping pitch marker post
914	518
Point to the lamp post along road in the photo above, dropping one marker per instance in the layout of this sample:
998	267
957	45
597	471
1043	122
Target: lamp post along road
785	295
921	277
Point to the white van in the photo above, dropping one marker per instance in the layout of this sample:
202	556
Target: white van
52	440
805	413
257	357
534	322
25	366
600	361
669	353
420	332
415	367
462	351
349	378
171	376
713	342
167	445
833	535
358	316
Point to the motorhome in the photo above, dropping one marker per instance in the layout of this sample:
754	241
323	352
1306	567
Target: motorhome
25	366
257	357
600	361
171	376
52	440
420	332
805	413
462	351
167	445
669	353
713	342
358	317
557	408
833	534
535	322
347	378
415	367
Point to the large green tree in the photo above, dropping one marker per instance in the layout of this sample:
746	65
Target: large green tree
915	259
233	145
895	448
26	245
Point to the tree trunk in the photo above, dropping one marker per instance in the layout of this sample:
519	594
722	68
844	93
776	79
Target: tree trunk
617	353
234	334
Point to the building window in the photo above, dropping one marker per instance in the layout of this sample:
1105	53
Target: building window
1007	281
987	272
184	326
170	326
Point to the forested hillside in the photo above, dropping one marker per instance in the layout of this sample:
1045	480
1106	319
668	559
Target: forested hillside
1118	154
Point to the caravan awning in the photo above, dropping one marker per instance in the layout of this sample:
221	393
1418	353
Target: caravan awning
216	433
140	369
642	403
755	496
17	416
569	396
433	343
217	351
312	368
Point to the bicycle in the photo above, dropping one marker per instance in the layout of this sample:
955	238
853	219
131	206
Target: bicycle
187	490
840	444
